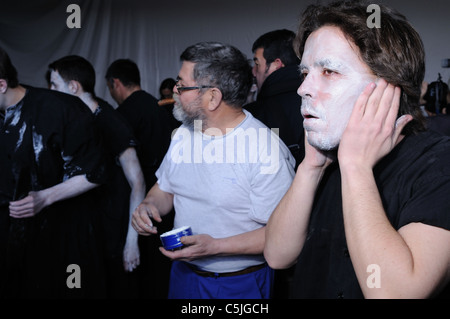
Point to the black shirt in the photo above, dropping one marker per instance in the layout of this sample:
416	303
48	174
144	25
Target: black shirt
151	128
116	137
414	183
45	139
279	106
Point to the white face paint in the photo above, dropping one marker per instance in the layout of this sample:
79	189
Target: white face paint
335	77
58	84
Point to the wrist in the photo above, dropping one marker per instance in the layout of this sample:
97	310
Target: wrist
47	196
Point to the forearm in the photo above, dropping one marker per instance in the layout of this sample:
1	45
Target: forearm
370	237
287	227
161	200
137	195
70	188
250	243
203	245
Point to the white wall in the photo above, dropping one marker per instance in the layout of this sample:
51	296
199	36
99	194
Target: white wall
154	34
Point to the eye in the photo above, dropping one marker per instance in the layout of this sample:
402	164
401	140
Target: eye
329	72
303	74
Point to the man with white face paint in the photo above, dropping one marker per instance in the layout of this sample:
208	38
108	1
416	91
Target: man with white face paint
125	188
367	213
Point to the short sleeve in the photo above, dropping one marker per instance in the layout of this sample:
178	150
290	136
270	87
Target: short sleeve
430	203
270	184
81	150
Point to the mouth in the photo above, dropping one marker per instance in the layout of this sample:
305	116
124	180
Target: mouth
308	116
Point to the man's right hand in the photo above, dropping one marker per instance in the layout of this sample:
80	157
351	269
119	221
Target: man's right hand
143	218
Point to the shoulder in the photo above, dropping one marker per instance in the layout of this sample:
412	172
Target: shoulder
56	102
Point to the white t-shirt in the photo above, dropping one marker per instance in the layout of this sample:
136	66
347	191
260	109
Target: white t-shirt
226	185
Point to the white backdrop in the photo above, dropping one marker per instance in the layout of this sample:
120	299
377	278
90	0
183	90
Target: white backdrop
153	34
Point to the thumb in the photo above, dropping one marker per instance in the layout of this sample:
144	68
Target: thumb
187	240
400	124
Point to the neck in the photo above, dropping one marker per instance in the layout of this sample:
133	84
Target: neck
219	123
128	91
89	100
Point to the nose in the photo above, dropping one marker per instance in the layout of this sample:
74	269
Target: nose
306	89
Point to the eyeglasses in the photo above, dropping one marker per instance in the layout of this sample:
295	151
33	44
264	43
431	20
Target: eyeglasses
181	89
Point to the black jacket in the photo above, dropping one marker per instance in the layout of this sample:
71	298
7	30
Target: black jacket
278	106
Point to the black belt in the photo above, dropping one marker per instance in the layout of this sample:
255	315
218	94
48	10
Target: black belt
227	274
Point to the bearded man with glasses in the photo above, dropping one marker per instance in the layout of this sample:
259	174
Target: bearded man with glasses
215	176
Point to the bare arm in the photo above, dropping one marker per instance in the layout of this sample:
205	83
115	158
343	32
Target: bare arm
36	201
133	172
156	204
198	246
413	261
287	227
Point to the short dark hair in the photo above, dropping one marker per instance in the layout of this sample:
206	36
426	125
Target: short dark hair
74	67
277	44
168	83
222	66
7	70
436	97
126	71
394	51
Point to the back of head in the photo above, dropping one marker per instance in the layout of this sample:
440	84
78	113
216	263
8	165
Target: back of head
7	70
222	66
277	44
394	51
76	68
126	71
436	97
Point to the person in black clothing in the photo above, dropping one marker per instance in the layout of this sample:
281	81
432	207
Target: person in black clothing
166	100
152	129
50	168
278	105
125	188
277	78
367	214
436	106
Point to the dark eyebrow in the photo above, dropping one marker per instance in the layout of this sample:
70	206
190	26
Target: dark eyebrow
302	67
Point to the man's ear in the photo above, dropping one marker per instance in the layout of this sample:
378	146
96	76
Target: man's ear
278	64
215	98
74	86
3	86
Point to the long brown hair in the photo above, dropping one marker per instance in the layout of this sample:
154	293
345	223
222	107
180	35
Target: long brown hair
394	51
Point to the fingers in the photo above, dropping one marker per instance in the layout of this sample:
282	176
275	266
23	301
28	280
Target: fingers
142	220
380	101
22	208
131	265
388	104
361	103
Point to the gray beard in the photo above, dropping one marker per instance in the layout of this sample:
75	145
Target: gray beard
188	119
